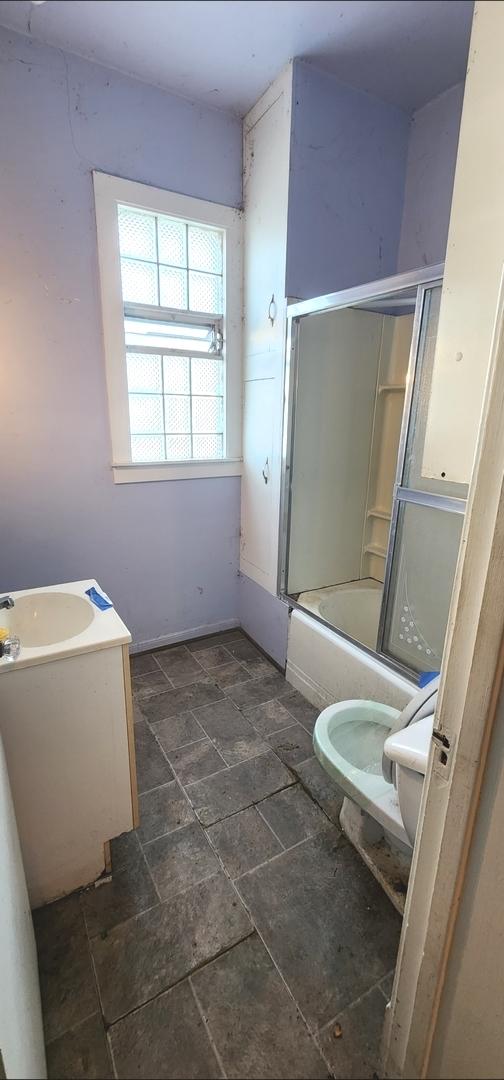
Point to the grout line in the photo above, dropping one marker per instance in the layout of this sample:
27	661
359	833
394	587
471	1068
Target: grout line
207	1028
268	750
111	1052
95	1012
173	749
354	1003
310	1032
270	827
179	982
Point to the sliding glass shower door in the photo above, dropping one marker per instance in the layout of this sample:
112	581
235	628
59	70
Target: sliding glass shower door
427	517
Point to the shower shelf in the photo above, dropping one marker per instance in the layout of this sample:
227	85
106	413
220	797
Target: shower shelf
386	388
377	512
375	549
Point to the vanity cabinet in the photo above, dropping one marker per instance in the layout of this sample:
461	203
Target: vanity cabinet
67	727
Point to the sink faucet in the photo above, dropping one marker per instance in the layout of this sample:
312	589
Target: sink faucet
6	602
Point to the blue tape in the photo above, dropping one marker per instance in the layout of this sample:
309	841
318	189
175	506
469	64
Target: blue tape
97	599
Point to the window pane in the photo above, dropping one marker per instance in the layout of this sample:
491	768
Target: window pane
423	567
173	286
207	446
177	414
205	249
146	413
205	292
176	375
207	415
139	282
147	448
172	242
167	335
144	373
207	375
178	447
137	234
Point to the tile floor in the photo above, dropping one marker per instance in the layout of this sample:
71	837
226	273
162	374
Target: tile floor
239	925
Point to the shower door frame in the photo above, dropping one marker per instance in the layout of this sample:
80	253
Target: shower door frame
421	280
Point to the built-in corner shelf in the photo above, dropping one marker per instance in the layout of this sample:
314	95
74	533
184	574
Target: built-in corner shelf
391	388
375	549
377	512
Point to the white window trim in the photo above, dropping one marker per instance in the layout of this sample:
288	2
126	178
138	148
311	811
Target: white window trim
109	191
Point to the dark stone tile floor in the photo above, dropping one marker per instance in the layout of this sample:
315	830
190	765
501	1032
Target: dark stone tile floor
239	926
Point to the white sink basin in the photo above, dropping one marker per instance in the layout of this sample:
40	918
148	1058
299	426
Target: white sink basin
45	618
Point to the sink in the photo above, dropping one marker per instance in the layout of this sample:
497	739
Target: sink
45	618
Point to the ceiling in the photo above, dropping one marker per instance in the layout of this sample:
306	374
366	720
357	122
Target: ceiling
226	52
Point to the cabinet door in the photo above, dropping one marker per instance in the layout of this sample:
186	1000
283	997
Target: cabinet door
266	156
258	531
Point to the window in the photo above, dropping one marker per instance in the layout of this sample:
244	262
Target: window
171	297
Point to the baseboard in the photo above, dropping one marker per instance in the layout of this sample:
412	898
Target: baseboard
184	635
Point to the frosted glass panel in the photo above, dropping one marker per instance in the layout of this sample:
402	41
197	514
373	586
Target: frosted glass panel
177	414
205	293
207	375
207	415
173	287
147	448
144	373
207	446
172	242
178	447
205	250
423	567
137	234
146	414
139	282
176	375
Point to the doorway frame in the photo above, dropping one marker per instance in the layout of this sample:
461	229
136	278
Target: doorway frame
471	685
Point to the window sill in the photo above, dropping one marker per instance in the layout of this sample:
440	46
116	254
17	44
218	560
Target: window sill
176	470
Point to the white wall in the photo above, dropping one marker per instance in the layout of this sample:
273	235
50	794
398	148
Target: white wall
167	553
338	357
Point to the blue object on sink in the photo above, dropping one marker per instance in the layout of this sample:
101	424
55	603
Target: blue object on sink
96	598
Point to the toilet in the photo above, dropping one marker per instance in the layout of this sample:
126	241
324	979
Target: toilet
378	755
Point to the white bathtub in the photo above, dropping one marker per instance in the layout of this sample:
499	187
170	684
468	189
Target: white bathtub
353	607
327	668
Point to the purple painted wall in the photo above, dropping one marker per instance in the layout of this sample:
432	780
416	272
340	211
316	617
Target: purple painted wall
348	167
264	617
166	552
429	180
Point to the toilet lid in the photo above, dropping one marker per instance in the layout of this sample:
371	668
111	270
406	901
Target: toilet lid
422	704
410	746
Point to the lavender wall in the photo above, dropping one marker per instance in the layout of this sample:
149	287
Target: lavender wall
348	166
429	180
166	552
264	617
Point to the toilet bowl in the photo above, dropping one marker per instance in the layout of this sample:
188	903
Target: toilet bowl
378	756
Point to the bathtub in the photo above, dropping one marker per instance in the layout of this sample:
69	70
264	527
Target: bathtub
353	607
326	667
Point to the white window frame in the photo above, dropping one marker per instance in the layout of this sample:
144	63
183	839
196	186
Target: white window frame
109	192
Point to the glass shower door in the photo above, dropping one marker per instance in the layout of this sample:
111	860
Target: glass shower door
426	523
